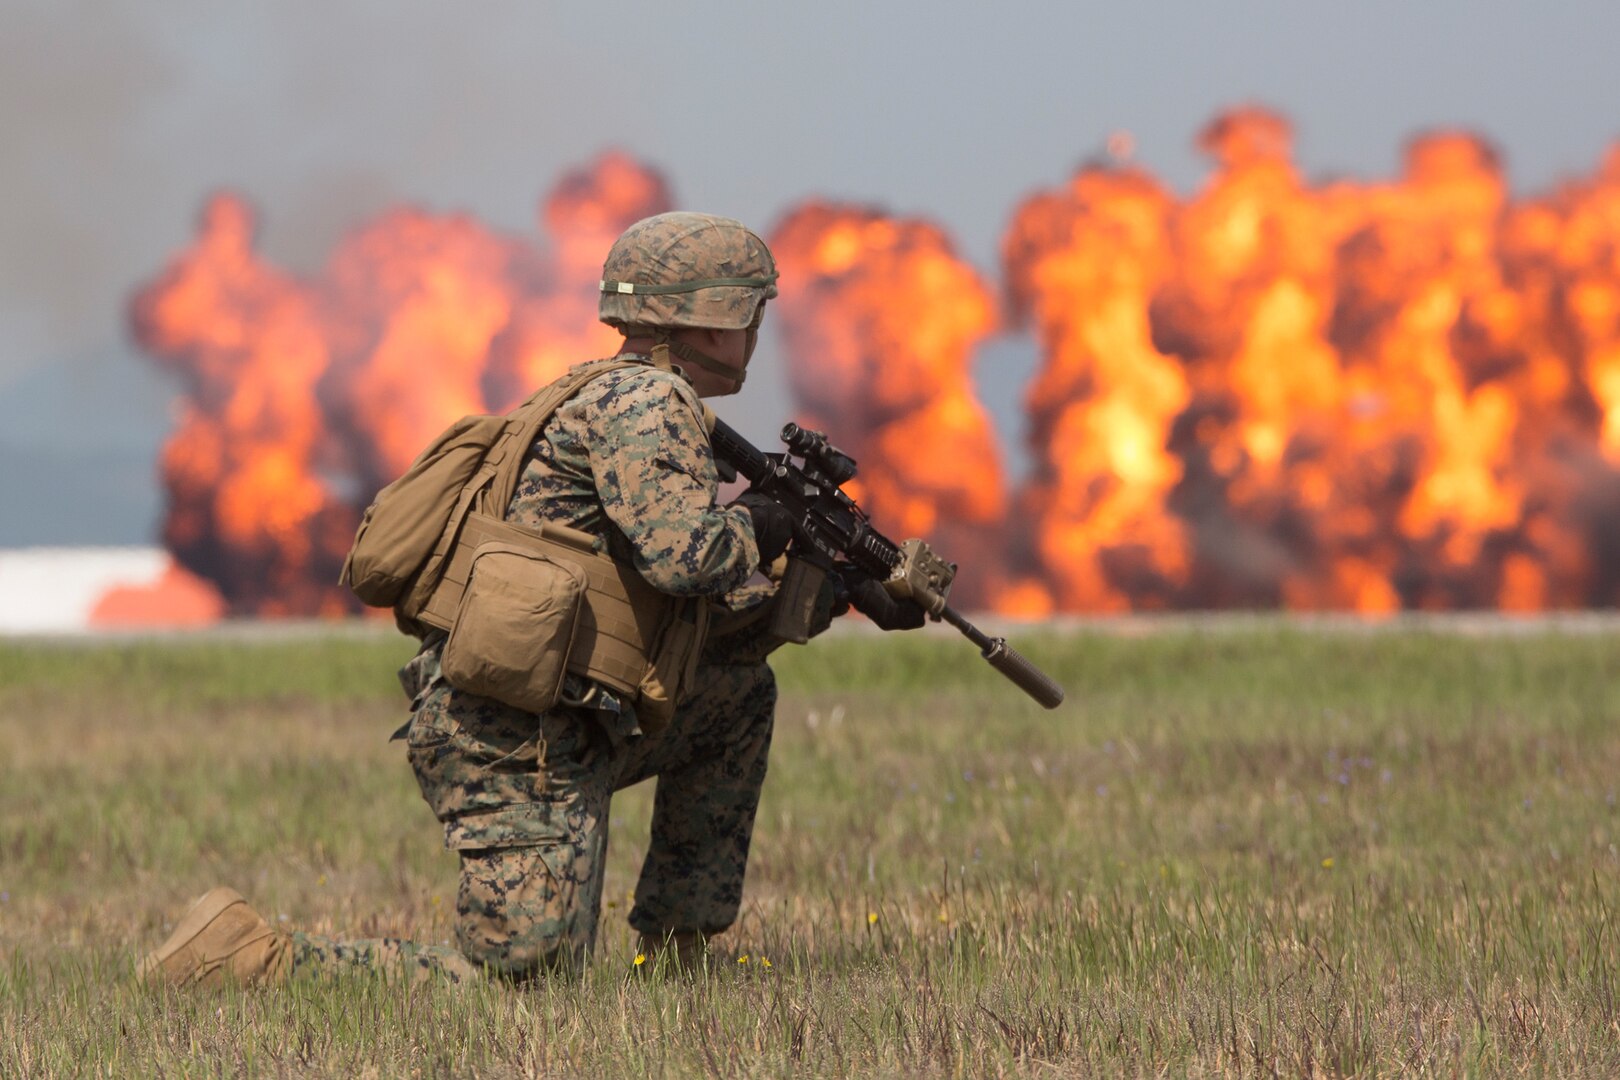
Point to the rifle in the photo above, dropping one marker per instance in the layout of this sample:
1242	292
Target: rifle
831	531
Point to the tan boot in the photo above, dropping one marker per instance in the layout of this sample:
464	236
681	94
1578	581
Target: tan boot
219	939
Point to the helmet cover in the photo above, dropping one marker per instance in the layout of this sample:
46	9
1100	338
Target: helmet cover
684	269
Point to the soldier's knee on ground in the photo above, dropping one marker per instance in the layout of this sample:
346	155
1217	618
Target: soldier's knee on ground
516	919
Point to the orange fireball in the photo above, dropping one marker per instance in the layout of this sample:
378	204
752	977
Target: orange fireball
303	396
880	318
1366	396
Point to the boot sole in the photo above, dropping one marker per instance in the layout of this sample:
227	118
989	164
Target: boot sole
205	910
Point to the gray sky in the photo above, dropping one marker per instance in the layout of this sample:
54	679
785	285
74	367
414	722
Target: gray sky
117	117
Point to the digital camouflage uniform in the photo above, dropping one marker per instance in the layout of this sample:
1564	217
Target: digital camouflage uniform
524	799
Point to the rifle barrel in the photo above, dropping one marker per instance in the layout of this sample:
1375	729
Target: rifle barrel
1009	661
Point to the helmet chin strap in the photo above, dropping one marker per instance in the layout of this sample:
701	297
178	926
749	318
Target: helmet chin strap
694	356
703	360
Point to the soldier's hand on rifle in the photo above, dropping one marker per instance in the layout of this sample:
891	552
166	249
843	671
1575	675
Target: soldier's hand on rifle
773	525
868	596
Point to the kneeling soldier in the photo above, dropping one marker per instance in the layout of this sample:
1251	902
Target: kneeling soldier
524	797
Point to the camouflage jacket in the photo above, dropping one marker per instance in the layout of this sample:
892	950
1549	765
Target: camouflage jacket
628	459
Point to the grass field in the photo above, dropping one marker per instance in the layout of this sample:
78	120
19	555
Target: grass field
1251	850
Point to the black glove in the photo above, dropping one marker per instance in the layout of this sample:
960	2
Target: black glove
773	526
868	596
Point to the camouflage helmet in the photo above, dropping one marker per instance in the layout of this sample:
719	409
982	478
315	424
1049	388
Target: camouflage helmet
683	269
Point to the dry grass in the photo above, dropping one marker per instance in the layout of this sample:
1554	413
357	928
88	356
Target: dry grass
1247	852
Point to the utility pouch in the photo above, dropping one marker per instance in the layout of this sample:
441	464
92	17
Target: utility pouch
672	665
796	601
514	628
627	636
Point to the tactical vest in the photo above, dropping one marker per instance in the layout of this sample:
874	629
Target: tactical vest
522	606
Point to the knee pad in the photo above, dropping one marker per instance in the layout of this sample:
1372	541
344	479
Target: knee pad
515	918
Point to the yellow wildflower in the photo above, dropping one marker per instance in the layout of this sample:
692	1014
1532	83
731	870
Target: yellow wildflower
743	959
641	958
1327	863
871	918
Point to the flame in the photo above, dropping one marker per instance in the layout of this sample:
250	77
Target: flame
303	396
246	506
176	598
1365	396
1083	265
880	318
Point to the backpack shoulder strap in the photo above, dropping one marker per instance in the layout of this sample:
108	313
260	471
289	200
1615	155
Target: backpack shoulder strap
489	491
505	460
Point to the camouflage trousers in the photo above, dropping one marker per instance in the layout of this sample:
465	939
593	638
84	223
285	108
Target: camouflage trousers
524	801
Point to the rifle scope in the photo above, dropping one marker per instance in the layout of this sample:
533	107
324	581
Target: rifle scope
819	454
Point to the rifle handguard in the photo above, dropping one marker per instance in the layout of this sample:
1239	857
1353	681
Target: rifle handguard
922	577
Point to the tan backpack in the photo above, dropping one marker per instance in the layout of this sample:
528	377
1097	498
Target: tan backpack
522	606
407	532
